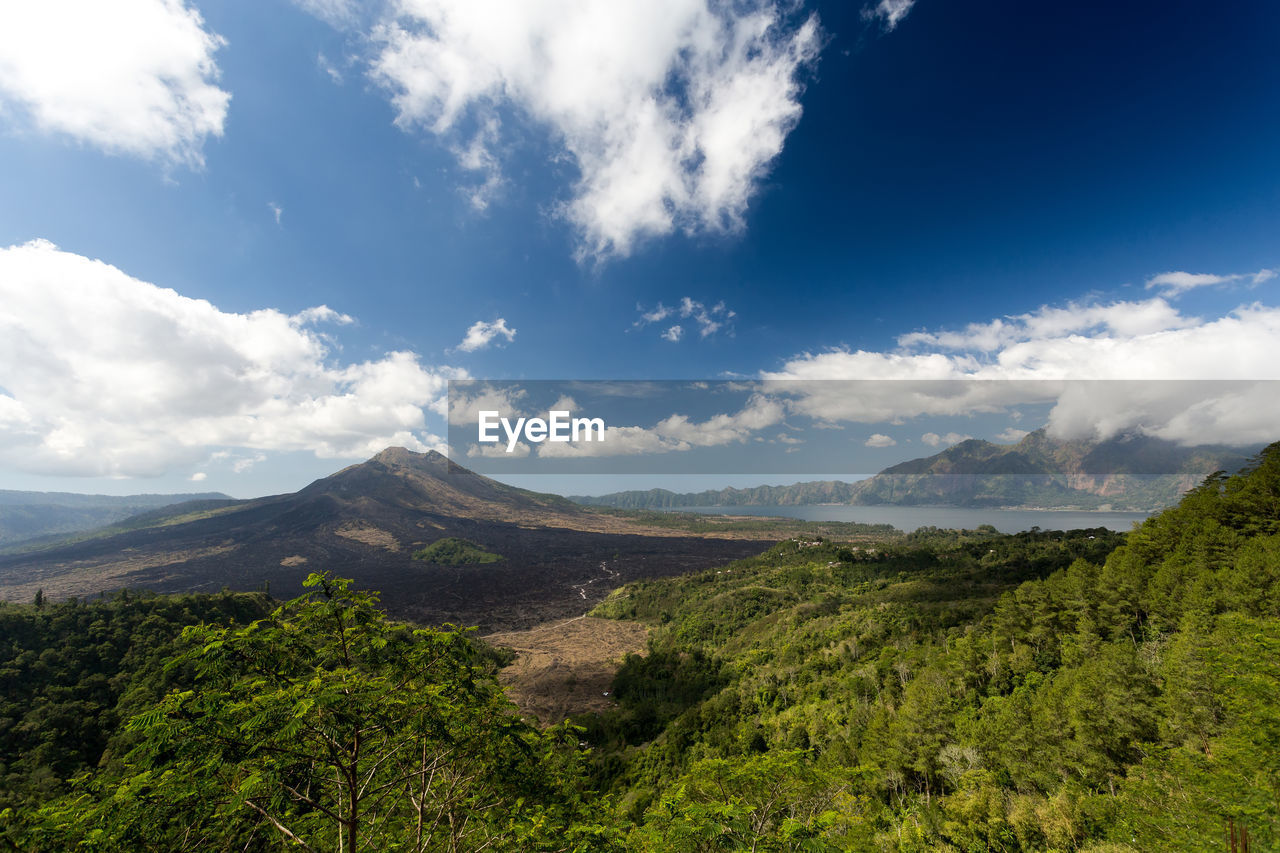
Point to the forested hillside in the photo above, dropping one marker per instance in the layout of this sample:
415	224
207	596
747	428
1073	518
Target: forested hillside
27	516
877	700
956	691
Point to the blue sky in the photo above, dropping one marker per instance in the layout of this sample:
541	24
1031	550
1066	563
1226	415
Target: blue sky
506	190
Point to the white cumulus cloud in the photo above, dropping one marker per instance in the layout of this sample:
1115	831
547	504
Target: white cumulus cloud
465	406
676	433
671	110
758	413
133	77
879	439
934	440
482	334
889	12
102	374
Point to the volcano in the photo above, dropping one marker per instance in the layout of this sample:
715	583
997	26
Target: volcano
365	522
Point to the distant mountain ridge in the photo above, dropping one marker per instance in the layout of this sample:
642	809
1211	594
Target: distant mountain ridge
815	492
12	497
1122	473
26	516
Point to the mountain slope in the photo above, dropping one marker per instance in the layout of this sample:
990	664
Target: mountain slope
365	522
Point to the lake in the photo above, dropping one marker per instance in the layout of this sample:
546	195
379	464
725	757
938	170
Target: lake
909	518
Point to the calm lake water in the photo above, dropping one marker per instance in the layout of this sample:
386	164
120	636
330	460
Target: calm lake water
909	518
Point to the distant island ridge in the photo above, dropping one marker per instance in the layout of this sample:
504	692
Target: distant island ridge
1131	473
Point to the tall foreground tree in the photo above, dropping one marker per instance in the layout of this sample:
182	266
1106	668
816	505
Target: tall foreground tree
327	727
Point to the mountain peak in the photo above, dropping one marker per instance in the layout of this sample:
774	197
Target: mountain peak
430	483
404	456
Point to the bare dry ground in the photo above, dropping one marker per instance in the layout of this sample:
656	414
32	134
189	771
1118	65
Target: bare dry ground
369	535
565	668
65	579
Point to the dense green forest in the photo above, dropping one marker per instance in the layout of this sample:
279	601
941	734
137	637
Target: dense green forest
72	673
947	690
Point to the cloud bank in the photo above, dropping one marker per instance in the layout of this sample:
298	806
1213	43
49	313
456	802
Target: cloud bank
1123	340
1148	339
134	77
102	374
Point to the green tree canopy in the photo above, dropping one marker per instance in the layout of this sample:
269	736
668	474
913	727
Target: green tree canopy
325	726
